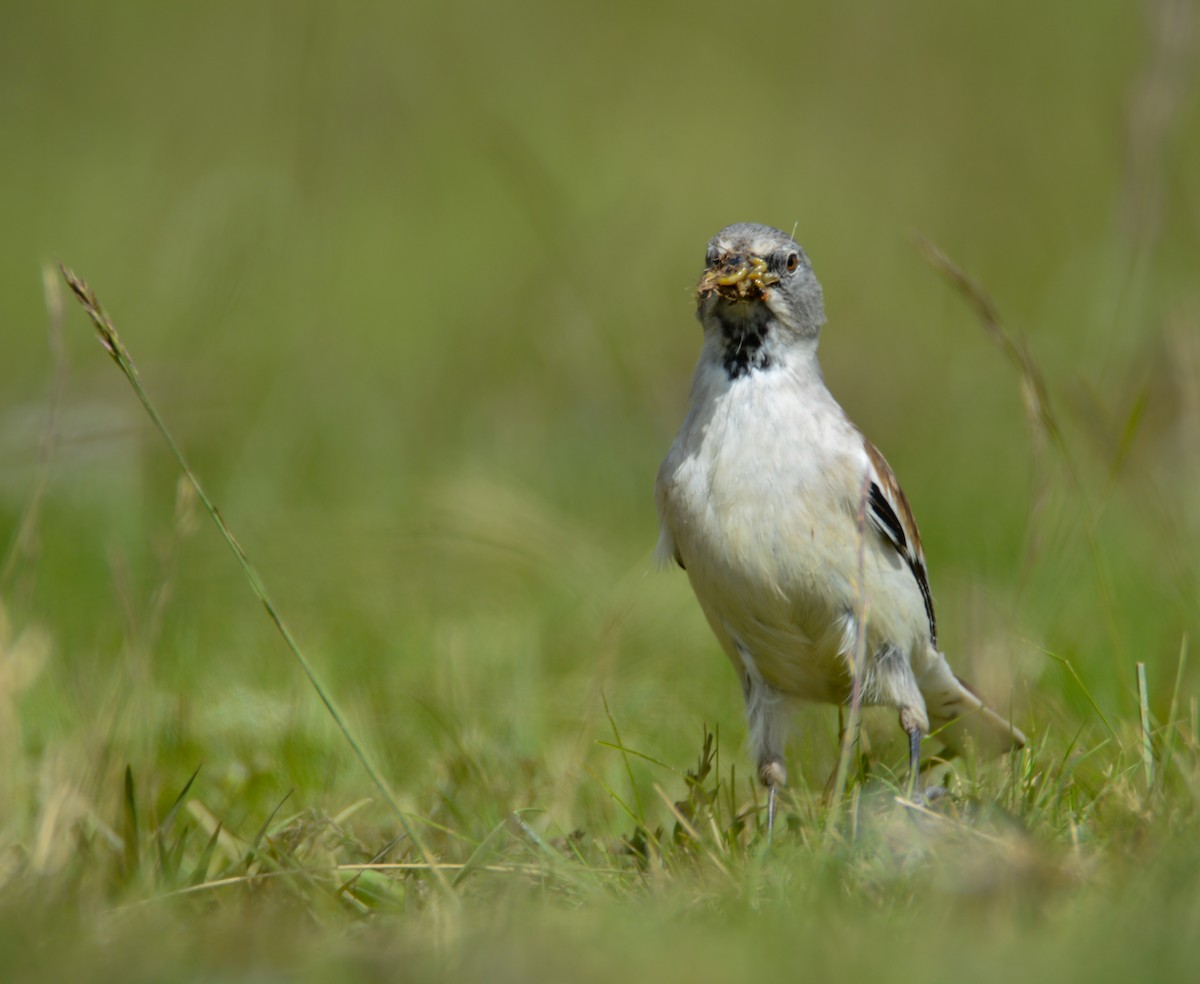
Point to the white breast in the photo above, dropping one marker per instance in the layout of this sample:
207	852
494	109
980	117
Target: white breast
757	497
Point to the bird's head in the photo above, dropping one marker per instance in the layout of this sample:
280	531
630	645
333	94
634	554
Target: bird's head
758	280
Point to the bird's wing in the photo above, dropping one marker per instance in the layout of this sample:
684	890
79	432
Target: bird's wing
889	513
955	710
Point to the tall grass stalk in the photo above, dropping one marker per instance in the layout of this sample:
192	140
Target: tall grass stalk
120	355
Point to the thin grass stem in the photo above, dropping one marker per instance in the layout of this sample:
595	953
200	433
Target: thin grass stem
120	355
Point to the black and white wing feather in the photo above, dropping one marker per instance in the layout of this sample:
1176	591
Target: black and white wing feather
889	513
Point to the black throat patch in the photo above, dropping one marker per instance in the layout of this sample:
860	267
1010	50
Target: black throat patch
744	337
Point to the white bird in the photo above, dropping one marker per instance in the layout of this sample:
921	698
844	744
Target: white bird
760	500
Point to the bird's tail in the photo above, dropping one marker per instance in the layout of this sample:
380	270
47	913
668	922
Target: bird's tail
958	715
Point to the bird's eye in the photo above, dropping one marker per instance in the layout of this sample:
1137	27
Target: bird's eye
792	262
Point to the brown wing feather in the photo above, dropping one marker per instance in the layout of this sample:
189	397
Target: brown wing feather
893	517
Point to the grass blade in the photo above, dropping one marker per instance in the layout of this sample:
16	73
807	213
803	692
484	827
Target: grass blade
1144	717
480	855
200	872
1173	712
174	810
129	827
620	745
169	857
116	349
252	850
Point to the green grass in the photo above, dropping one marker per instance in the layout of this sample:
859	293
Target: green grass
410	290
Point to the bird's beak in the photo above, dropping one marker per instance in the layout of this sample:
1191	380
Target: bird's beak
737	277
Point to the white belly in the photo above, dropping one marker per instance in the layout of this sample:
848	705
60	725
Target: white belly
752	498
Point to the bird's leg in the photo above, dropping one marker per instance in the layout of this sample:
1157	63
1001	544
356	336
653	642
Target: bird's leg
773	775
914	765
766	715
913	730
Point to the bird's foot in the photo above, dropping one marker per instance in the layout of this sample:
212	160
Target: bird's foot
928	795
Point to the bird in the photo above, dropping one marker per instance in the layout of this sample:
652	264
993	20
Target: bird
791	526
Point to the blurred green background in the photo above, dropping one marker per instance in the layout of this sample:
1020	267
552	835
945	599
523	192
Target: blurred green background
411	284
